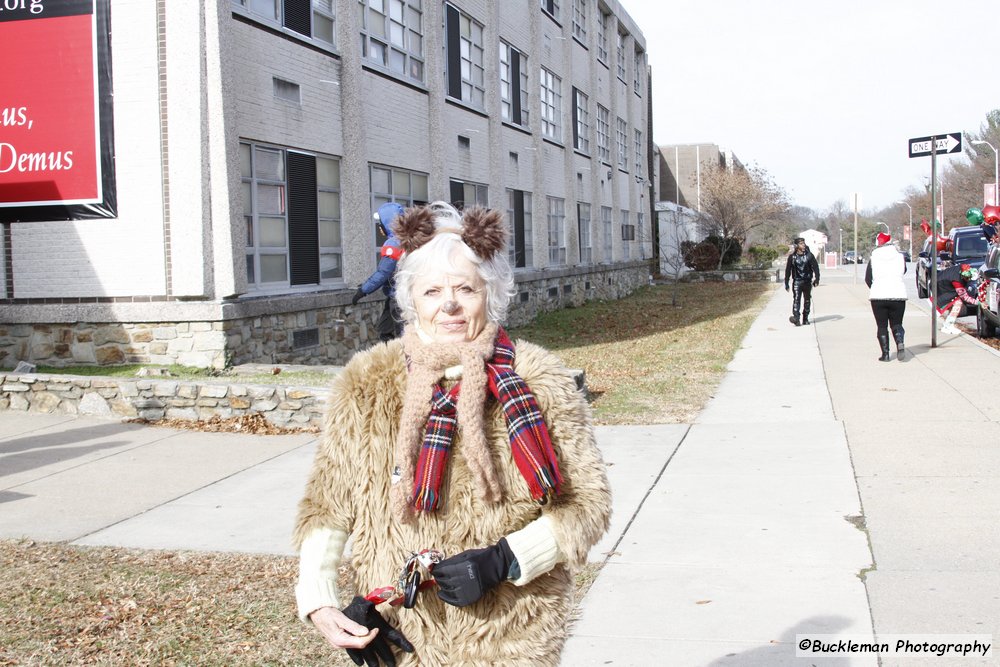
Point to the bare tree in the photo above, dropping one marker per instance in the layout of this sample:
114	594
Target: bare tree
678	233
737	201
962	180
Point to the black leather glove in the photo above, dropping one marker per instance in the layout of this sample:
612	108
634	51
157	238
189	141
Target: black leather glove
363	611
786	288
815	283
358	295
466	577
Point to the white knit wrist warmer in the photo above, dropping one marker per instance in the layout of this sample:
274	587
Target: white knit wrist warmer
319	558
535	548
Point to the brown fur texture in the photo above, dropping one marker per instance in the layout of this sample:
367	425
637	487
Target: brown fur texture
414	227
349	488
484	231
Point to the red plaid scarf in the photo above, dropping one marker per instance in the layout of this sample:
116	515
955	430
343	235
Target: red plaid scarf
529	438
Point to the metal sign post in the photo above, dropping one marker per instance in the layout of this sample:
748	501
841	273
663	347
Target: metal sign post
932	145
934	223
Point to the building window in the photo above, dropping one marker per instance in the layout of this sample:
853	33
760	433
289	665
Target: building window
622	135
621	56
638	69
264	212
581	122
628	234
388	184
291	208
551	92
464	193
266	9
331	252
580	20
287	91
324	27
312	18
392	36
602	38
603	134
638	153
583	232
464	44
519	217
556	219
606	232
513	85
551	7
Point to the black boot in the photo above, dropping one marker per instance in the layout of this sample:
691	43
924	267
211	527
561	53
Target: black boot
805	319
794	319
897	333
883	342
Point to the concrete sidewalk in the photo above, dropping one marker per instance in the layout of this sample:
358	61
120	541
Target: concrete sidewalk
748	537
730	536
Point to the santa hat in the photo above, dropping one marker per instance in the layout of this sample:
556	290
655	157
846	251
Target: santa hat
882	238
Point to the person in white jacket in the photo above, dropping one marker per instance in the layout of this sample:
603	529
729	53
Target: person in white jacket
884	277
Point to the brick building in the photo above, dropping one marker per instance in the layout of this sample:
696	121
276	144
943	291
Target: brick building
681	166
255	138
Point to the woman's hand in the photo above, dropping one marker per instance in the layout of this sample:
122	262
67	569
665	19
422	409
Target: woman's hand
341	631
361	631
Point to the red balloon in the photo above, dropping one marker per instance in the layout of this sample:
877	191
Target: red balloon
991	214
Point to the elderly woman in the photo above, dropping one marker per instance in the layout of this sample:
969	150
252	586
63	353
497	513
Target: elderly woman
456	444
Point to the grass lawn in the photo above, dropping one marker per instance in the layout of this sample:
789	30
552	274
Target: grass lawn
646	362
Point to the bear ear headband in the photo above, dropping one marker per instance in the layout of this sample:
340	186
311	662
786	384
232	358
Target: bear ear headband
482	229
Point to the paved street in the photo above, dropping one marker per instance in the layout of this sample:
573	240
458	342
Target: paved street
819	492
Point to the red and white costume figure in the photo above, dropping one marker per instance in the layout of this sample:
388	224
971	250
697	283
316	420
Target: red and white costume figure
953	293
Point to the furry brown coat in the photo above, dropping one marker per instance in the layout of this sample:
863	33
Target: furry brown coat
349	490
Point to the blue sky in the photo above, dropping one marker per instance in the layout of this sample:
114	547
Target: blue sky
823	95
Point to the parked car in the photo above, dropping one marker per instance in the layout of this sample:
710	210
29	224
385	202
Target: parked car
906	256
988	315
850	258
968	246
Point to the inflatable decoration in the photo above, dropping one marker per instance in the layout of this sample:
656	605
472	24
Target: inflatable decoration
943	242
991	214
974	216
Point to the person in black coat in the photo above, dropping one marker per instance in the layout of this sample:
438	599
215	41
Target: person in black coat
803	270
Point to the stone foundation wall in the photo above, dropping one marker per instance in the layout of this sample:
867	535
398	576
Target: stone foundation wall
748	275
197	344
544	291
312	329
120	398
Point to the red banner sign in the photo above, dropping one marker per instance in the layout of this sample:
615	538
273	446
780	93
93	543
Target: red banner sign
50	106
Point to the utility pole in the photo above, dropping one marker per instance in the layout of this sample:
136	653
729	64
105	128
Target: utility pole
856	256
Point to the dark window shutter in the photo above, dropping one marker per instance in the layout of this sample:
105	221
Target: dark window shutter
518	224
454	47
457	194
298	16
303	219
515	85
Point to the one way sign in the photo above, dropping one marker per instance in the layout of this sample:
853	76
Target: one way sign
942	143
